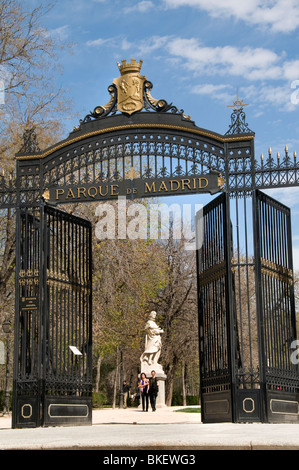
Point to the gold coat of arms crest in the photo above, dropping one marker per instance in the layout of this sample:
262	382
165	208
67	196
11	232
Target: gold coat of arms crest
130	87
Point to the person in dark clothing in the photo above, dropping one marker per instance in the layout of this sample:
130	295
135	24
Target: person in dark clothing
126	389
153	390
143	387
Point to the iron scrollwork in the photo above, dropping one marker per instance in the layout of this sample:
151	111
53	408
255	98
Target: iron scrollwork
104	110
159	105
238	123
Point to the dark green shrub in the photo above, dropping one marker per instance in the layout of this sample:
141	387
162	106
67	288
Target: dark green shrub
98	399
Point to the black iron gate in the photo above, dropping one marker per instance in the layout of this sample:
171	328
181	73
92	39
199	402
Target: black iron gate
214	291
53	373
27	364
247	324
276	309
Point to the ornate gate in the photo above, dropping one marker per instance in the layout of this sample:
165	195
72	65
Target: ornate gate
214	301
53	374
138	146
247	321
275	299
28	341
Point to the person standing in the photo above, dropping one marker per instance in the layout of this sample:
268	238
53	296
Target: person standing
153	389
126	389
144	386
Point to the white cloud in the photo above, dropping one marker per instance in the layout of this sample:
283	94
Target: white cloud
271	75
61	32
291	70
278	15
140	7
99	42
252	64
143	47
125	44
259	97
287	196
278	96
152	44
218	92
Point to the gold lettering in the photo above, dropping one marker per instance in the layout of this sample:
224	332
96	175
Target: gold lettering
152	188
200	180
171	185
100	191
81	191
93	194
163	187
114	187
59	192
185	182
194	183
70	194
133	190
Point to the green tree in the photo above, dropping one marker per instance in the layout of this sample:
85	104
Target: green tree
177	311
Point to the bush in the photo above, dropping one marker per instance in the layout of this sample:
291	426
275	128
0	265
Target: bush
192	400
177	400
98	399
2	400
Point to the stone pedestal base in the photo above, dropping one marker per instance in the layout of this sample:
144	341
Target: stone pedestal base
160	401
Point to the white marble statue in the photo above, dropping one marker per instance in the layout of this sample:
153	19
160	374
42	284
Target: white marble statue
153	344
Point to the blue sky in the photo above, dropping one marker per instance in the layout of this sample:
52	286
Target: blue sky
196	53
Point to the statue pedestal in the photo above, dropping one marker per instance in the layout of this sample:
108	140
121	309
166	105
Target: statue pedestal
160	401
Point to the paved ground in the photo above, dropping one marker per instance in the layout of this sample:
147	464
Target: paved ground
165	429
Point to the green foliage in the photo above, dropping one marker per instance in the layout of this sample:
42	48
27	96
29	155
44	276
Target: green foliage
2	400
127	279
177	400
99	399
189	410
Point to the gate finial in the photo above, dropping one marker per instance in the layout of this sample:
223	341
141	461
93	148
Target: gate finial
30	144
237	104
238	124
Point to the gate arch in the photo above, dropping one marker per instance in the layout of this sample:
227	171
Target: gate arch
106	155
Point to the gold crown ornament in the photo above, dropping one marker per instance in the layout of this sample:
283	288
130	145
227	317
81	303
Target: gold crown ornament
132	67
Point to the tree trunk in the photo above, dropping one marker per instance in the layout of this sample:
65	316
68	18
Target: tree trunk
169	382
116	379
184	370
121	380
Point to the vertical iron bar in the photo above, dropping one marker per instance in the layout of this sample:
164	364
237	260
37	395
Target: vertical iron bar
258	290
